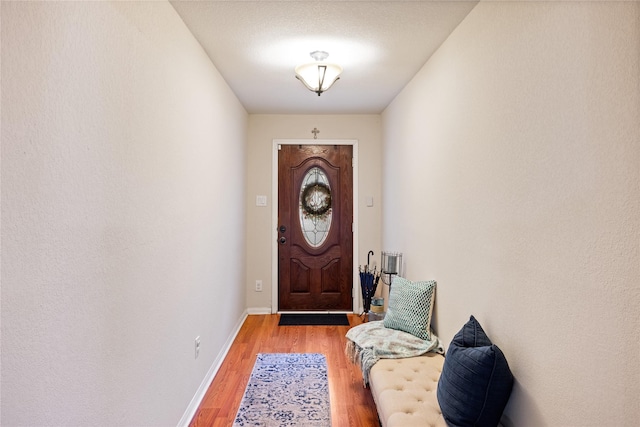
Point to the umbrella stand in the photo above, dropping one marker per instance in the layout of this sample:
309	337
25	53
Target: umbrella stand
368	283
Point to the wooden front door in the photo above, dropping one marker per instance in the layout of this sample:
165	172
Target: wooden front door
315	237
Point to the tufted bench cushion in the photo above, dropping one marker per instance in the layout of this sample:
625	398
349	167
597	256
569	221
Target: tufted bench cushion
404	391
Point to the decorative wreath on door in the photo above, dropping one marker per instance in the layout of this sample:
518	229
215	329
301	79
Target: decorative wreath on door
316	200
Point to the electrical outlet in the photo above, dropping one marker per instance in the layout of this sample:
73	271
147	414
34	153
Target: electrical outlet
258	285
197	346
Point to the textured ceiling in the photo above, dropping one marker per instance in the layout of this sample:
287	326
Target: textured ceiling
380	44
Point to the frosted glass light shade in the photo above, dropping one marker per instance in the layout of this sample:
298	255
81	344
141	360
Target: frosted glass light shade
318	76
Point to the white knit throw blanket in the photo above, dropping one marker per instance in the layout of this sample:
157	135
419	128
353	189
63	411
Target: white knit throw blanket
369	342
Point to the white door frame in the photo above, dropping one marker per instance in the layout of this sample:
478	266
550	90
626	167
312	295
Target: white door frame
274	213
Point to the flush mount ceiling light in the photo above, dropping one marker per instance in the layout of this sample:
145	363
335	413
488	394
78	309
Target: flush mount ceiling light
318	76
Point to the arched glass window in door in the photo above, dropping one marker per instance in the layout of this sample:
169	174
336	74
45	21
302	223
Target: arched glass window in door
315	207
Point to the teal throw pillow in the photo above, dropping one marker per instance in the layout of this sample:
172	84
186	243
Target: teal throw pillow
410	307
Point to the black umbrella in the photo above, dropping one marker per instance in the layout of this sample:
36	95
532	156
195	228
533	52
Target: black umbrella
369	283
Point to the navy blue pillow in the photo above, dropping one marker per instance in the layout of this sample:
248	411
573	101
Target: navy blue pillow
475	383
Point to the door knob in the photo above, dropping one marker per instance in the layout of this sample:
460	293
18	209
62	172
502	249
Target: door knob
283	240
283	229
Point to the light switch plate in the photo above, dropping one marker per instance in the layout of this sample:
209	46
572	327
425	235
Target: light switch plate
261	200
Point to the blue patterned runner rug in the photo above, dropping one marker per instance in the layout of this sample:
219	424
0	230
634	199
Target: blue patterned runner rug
286	389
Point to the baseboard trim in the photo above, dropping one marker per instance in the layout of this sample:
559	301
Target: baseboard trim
259	310
318	312
208	379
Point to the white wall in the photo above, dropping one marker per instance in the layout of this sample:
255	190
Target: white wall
511	171
263	129
123	168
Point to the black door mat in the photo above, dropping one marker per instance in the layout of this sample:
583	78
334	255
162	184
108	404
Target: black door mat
313	319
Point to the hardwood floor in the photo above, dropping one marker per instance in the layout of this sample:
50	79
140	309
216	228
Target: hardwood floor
351	403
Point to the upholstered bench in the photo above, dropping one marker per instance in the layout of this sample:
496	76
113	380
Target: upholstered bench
411	382
404	391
